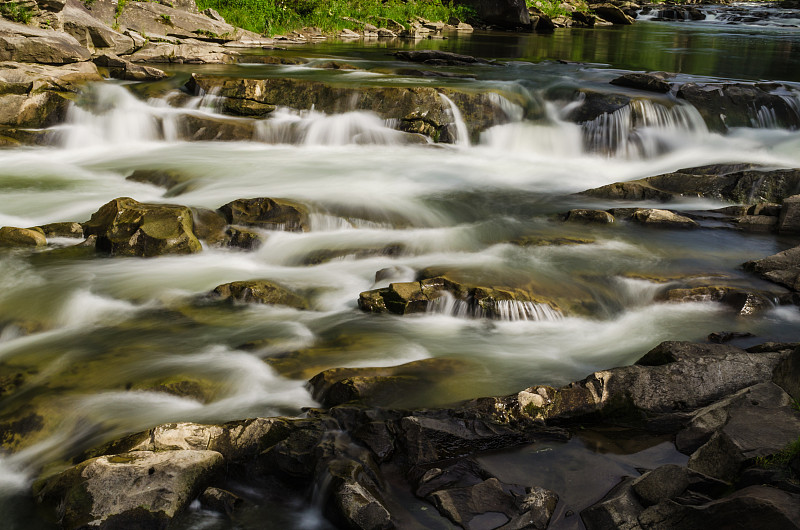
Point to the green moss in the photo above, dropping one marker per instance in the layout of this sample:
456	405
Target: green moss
16	12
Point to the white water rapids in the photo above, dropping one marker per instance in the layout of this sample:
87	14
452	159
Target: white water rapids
106	329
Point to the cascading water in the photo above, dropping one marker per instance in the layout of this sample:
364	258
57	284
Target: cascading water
462	133
643	129
102	347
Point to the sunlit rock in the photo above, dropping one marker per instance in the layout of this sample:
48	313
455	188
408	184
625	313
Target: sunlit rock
11	236
140	489
125	227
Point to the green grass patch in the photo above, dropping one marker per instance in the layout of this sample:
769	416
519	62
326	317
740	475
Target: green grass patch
553	8
781	458
272	17
16	12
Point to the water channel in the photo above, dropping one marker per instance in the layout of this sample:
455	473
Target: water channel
106	332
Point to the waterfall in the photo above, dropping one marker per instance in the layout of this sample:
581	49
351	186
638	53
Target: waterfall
508	310
113	116
637	130
313	128
462	134
557	137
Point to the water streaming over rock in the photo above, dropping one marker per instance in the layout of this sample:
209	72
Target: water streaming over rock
643	129
101	345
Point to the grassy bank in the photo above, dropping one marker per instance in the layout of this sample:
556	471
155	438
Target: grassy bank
273	17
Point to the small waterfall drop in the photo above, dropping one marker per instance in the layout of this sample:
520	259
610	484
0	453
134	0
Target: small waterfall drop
113	116
462	134
506	310
640	129
557	137
313	128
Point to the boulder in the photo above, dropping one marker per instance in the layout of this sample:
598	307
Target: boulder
743	301
673	482
611	13
752	507
263	212
782	268
416	109
588	216
122	69
725	105
361	508
260	292
491	504
434	294
650	81
220	501
661	218
672	378
140	489
189	51
153	18
620	508
38	96
27	44
125	227
755	422
90	32
502	14
739	183
11	236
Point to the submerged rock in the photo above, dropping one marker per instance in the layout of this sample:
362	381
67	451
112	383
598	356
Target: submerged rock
379	386
439	58
259	291
125	227
140	489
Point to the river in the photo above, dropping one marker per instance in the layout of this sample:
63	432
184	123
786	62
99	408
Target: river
108	331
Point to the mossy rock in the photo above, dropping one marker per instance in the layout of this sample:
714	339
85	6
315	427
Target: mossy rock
65	229
13	237
125	227
263	212
200	390
260	292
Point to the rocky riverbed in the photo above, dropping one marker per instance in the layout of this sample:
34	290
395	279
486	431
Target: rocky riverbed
312	287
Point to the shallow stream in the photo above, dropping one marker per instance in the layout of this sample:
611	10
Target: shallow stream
107	333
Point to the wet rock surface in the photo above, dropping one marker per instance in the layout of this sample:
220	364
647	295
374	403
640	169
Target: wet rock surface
418	109
739	183
356	449
125	227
